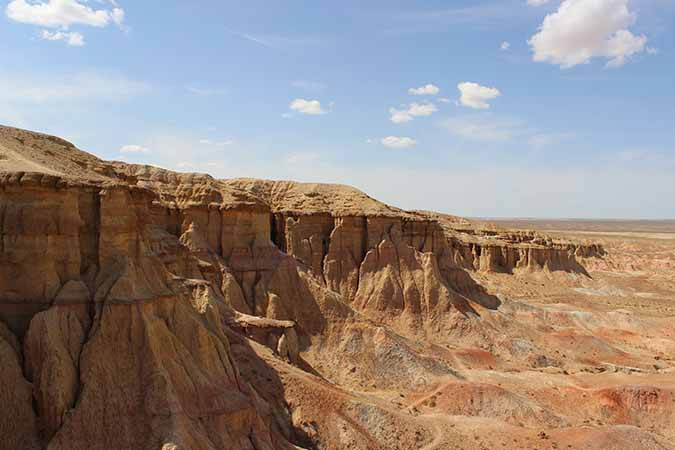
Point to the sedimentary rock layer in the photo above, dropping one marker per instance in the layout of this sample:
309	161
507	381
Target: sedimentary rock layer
121	286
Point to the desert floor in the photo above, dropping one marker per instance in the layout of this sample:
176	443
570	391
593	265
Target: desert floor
567	362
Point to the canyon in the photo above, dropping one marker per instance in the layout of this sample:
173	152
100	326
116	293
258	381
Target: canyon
142	308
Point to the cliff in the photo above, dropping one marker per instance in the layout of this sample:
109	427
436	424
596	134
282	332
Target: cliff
122	287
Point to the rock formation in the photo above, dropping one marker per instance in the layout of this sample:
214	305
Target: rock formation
123	286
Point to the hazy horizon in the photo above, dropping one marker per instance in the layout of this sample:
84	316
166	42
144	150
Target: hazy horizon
491	109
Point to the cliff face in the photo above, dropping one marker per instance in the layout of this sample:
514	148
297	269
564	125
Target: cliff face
480	247
496	254
123	338
121	287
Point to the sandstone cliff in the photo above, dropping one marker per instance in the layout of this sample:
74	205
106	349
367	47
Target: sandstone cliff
122	287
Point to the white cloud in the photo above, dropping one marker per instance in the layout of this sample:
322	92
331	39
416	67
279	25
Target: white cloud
473	95
72	38
429	89
444	100
399	116
412	111
311	107
133	148
61	14
581	30
485	127
505	46
118	15
398	142
537	2
70	88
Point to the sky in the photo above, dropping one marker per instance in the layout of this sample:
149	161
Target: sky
484	108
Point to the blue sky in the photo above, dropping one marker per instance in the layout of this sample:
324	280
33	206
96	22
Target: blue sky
485	108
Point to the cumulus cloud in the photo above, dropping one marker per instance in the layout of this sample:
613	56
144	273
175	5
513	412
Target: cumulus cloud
311	107
429	89
537	2
475	96
62	14
398	142
505	46
581	30
72	38
133	148
412	111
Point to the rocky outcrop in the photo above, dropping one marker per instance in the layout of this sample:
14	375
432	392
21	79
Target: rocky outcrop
45	243
495	256
123	338
120	284
279	335
489	249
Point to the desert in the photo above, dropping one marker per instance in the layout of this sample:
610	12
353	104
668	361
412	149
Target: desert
143	308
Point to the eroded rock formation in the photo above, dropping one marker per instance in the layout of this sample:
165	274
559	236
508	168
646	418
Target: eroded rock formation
121	287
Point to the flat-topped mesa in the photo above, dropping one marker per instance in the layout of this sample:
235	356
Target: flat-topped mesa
502	253
489	249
